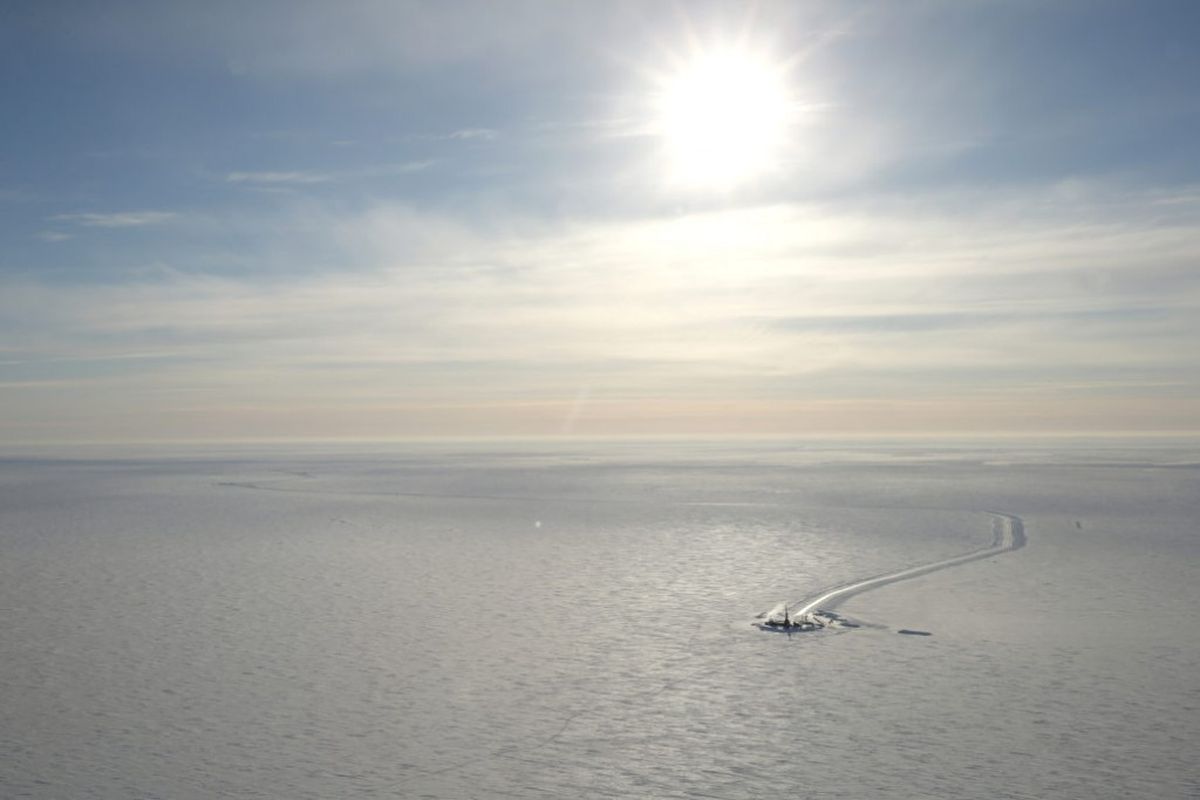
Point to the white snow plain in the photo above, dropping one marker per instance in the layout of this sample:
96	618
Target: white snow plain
573	620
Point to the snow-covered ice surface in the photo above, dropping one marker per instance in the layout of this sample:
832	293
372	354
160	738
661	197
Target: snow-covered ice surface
464	621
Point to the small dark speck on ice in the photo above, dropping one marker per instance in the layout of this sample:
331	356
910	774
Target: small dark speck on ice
908	632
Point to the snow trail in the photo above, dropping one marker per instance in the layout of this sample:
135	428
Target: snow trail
1008	535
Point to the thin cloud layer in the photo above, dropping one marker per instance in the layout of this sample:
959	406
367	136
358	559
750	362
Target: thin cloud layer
657	310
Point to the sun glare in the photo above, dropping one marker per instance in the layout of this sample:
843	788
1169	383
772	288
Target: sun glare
722	118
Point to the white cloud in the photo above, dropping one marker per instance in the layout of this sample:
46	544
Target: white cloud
120	219
474	133
53	236
306	177
279	177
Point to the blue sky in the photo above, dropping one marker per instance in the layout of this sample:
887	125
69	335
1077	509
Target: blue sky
274	220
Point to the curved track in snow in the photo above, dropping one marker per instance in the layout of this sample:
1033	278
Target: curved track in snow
1008	535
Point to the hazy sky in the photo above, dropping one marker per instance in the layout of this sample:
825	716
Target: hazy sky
380	219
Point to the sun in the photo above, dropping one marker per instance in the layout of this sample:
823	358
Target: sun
722	117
